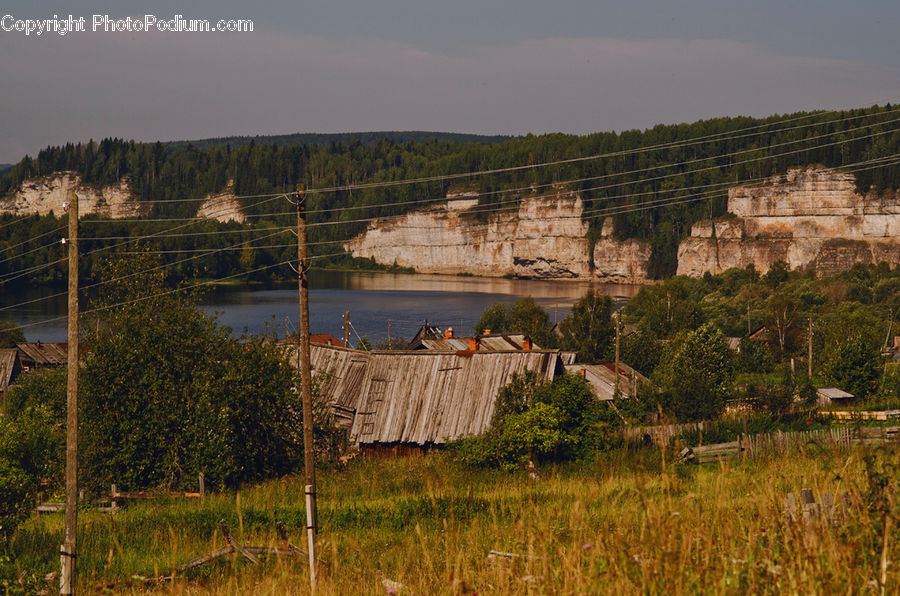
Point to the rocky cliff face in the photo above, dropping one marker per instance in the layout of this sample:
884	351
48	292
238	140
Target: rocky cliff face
48	194
809	218
620	261
544	237
222	207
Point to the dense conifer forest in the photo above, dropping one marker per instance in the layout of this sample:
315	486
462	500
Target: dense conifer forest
644	179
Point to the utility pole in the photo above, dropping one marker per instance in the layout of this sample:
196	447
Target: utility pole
67	549
309	453
616	390
347	329
809	356
748	320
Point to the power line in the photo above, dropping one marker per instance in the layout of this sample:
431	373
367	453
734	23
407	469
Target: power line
130	240
653	179
519	168
873	163
173	291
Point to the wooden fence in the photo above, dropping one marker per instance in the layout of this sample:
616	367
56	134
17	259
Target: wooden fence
662	434
782	442
863	415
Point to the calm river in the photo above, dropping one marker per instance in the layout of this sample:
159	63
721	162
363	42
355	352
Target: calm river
373	299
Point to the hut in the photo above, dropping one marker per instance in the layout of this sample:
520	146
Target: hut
832	395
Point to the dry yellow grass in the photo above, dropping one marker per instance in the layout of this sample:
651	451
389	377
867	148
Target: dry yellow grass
627	523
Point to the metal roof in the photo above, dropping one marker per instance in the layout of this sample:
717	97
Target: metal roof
419	397
833	393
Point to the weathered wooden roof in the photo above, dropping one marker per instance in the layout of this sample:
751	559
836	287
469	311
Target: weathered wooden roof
602	378
420	397
43	354
8	357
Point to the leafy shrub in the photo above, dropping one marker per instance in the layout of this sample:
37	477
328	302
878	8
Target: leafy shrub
10	334
539	422
16	497
31	450
754	357
168	393
697	377
42	387
854	366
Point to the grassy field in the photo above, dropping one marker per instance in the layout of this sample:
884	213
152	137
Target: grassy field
628	522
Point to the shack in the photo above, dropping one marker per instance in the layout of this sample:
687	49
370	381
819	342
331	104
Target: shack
832	395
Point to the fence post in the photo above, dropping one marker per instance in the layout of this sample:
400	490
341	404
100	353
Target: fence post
202	483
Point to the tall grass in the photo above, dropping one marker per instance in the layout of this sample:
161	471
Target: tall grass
627	522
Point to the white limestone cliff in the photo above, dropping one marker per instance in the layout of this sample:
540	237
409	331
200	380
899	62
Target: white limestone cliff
809	218
49	194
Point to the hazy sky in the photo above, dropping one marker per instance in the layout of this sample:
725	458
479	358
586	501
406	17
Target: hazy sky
462	66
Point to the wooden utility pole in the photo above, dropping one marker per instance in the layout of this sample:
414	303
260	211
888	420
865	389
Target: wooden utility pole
616	390
309	452
809	356
347	329
748	320
68	548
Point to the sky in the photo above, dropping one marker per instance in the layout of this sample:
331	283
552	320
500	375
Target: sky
575	66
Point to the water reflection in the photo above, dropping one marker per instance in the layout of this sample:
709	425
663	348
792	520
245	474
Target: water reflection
376	301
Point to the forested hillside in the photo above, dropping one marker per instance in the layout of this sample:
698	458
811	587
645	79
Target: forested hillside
366	138
643	178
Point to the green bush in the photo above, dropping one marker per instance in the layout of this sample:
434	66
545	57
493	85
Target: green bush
168	393
854	366
16	497
539	422
31	450
43	387
754	357
697	376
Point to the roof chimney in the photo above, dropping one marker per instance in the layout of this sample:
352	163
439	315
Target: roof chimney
526	343
473	344
448	333
38	343
486	332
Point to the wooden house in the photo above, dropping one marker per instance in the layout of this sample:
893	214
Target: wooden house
38	354
395	401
